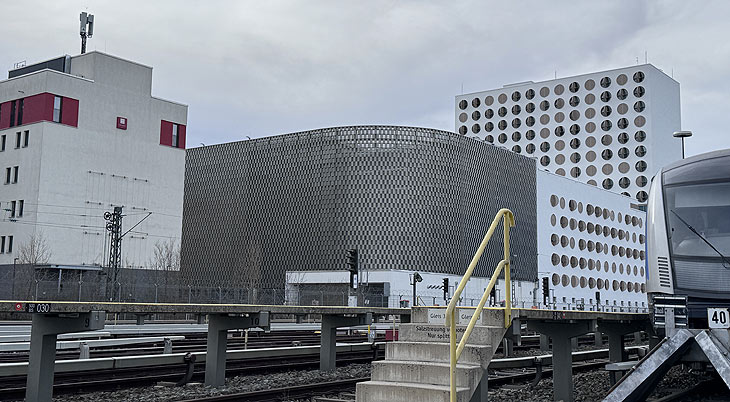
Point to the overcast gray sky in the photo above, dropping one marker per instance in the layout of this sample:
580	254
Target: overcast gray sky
257	68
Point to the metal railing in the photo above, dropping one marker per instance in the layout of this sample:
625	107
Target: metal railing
508	219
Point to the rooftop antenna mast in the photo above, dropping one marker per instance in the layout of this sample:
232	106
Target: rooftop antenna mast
87	29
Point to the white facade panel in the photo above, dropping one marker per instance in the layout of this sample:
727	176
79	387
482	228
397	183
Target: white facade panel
591	242
612	129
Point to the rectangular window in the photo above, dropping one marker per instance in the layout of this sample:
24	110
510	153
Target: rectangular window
57	109
2	244
20	112
12	209
10	244
17	139
2	142
175	141
21	203
15	174
8	172
25	138
12	114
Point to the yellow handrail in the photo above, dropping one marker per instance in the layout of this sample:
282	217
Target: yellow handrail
455	352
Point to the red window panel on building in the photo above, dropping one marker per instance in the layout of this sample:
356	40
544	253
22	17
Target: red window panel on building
40	108
69	112
166	134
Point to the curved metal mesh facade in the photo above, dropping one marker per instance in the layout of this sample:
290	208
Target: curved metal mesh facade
404	197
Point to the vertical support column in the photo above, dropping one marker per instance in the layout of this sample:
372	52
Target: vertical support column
562	368
218	326
544	343
616	344
42	360
598	338
561	333
328	340
574	343
508	347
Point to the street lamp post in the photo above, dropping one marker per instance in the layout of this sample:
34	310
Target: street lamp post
682	135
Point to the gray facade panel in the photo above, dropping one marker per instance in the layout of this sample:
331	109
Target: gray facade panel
404	197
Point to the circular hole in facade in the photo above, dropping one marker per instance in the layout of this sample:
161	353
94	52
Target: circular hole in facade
640	151
544	119
489	100
489	113
516	136
489	126
530	148
502	111
575	144
559	158
623	138
607	183
502	124
463	117
583	282
564	261
591	170
475	102
581	226
622	123
606	154
639	121
592	283
475	115
559	89
590	127
639	91
605	82
624	182
564	240
516	96
516	109
590	113
562	202
502	138
554	239
574	101
544	132
638	77
556	279
641	181
544	146
624	167
476	128
559	117
530	107
574	128
559	103
463	104
463	130
502	98
606	125
575	172
639	106
544	91
590	141
589	99
622	108
623	153
606	111
565	280
640	136
560	171
622	94
622	79
553	219
489	138
605	96
559	131
574	281
640	166
516	149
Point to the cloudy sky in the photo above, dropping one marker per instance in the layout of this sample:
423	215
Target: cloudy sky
257	68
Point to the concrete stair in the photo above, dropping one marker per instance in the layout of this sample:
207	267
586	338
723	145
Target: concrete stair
416	368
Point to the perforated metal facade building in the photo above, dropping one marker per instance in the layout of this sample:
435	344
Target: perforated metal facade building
404	197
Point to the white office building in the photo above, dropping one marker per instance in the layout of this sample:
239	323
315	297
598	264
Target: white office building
79	136
611	129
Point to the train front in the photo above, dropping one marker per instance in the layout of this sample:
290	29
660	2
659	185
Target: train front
688	243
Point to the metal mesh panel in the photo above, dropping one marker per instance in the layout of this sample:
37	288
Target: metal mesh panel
405	197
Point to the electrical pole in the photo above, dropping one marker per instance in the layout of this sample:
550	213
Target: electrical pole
114	226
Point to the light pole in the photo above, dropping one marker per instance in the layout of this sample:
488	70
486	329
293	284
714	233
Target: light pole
15	261
682	135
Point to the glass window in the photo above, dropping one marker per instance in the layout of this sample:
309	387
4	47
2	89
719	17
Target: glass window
2	142
12	209
20	208
57	109
25	138
17	139
15	174
10	244
706	207
175	136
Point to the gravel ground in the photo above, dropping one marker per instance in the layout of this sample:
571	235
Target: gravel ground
233	385
594	385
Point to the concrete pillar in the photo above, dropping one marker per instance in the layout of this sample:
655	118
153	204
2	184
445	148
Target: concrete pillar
508	347
544	343
598	338
574	343
167	349
480	394
218	326
561	333
328	341
616	350
84	350
42	360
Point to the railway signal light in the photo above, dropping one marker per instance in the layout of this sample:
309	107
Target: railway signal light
446	289
546	290
352	266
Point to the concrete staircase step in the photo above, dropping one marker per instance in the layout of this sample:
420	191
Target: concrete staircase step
467	376
479	355
481	335
382	391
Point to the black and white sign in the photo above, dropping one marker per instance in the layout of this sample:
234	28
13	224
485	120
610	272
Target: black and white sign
39	308
718	317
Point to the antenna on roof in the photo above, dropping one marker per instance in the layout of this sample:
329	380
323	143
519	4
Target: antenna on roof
87	29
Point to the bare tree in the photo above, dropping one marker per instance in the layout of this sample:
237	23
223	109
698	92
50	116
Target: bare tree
31	253
166	263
